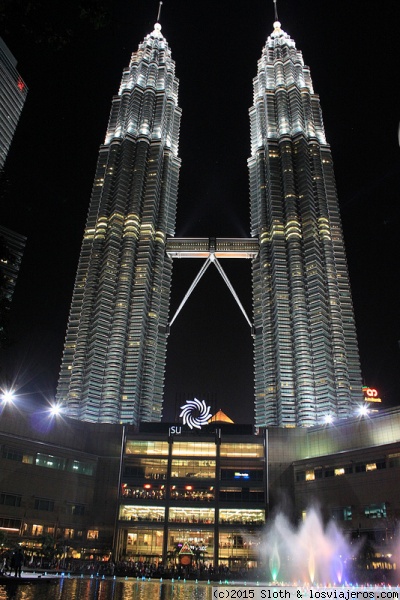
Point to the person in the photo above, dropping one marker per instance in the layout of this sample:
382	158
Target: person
18	562
5	566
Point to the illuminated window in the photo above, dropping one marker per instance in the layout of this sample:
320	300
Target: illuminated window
37	529
310	475
148	468
242	516
339	471
142	513
49	461
83	468
192	493
145	542
198	540
93	534
192	515
242	450
370	467
193	468
146	447
375	511
17	455
194	449
69	533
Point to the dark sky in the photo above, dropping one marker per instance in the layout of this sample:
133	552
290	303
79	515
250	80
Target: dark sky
73	68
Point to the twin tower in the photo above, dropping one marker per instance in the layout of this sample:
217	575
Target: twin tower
306	360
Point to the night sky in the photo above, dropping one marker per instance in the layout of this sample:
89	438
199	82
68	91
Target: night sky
71	55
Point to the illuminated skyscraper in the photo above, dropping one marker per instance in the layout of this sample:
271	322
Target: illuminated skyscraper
13	93
306	355
114	357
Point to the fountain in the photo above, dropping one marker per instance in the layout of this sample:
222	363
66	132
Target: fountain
310	553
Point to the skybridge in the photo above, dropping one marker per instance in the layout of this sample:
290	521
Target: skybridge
219	247
212	249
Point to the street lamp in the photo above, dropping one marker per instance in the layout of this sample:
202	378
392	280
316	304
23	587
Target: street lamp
8	397
55	409
363	410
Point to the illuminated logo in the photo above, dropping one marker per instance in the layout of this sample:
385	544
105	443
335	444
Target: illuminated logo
371	394
175	430
239	475
195	413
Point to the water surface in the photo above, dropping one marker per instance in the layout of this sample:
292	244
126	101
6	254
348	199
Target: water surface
95	589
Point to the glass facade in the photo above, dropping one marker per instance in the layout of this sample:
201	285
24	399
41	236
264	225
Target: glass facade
198	469
305	346
113	364
194	449
237	548
146	447
13	92
201	503
144	543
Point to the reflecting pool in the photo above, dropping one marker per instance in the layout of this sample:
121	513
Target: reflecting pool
101	589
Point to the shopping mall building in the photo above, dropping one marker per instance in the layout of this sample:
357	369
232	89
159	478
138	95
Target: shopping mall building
168	493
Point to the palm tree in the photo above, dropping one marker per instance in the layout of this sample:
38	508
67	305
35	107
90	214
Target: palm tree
48	548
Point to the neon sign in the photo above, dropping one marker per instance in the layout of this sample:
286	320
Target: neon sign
371	395
241	475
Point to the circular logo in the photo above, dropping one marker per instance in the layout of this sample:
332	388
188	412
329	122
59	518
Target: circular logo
195	413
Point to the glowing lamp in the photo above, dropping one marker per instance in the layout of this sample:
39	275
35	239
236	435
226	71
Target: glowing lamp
8	396
55	410
362	411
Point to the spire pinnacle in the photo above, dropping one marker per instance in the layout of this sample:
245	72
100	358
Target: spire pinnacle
276	11
159	11
157	26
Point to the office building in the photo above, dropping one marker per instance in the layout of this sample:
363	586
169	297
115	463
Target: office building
58	482
142	494
305	347
12	246
114	357
13	92
204	491
306	354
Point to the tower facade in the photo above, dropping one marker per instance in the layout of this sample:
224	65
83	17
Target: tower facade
114	357
306	354
13	92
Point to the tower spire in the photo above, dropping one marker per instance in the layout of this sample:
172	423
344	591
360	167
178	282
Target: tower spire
159	11
275	10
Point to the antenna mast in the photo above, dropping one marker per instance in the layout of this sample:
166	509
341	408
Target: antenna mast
159	11
276	11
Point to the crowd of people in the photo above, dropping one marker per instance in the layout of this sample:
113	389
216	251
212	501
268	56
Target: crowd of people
12	562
